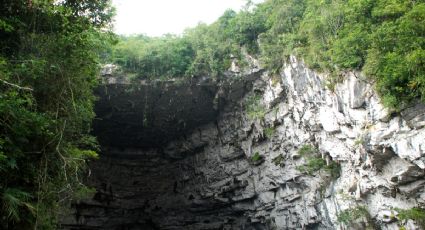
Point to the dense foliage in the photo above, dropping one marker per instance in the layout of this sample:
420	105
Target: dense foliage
49	55
382	38
203	50
154	58
48	67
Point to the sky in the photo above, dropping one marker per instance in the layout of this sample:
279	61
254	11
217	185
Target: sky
158	17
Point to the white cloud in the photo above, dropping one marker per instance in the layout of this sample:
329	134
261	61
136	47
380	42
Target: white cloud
158	17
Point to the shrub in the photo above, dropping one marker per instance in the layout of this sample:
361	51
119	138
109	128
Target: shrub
416	214
313	164
380	38
316	163
269	131
306	150
278	161
334	169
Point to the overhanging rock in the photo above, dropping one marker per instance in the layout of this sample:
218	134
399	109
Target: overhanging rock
151	115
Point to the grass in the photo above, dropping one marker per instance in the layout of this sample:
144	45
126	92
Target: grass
350	215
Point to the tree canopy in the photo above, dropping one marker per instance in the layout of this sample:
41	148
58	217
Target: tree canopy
49	55
382	38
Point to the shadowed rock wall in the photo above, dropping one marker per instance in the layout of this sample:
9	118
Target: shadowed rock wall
151	115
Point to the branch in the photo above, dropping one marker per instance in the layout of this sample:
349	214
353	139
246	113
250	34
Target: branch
16	86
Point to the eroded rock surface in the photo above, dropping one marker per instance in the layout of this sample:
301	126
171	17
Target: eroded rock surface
232	167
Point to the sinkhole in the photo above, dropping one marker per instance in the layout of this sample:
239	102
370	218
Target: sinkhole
150	174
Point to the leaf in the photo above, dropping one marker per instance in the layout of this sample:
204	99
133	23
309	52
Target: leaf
12	163
12	200
5	26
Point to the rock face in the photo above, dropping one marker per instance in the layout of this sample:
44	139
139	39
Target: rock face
151	115
257	152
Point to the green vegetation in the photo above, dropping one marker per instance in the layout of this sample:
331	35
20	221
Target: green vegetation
152	58
84	193
205	50
48	66
416	214
256	157
312	165
350	215
279	160
254	108
50	52
382	38
315	163
359	141
306	150
334	169
269	131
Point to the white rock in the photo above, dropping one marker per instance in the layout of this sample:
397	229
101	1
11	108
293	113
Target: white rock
328	120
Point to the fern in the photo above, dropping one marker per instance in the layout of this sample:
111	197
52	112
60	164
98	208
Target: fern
13	201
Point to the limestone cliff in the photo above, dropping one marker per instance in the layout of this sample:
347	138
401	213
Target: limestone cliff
253	151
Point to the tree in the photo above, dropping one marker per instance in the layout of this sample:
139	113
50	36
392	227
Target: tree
48	68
